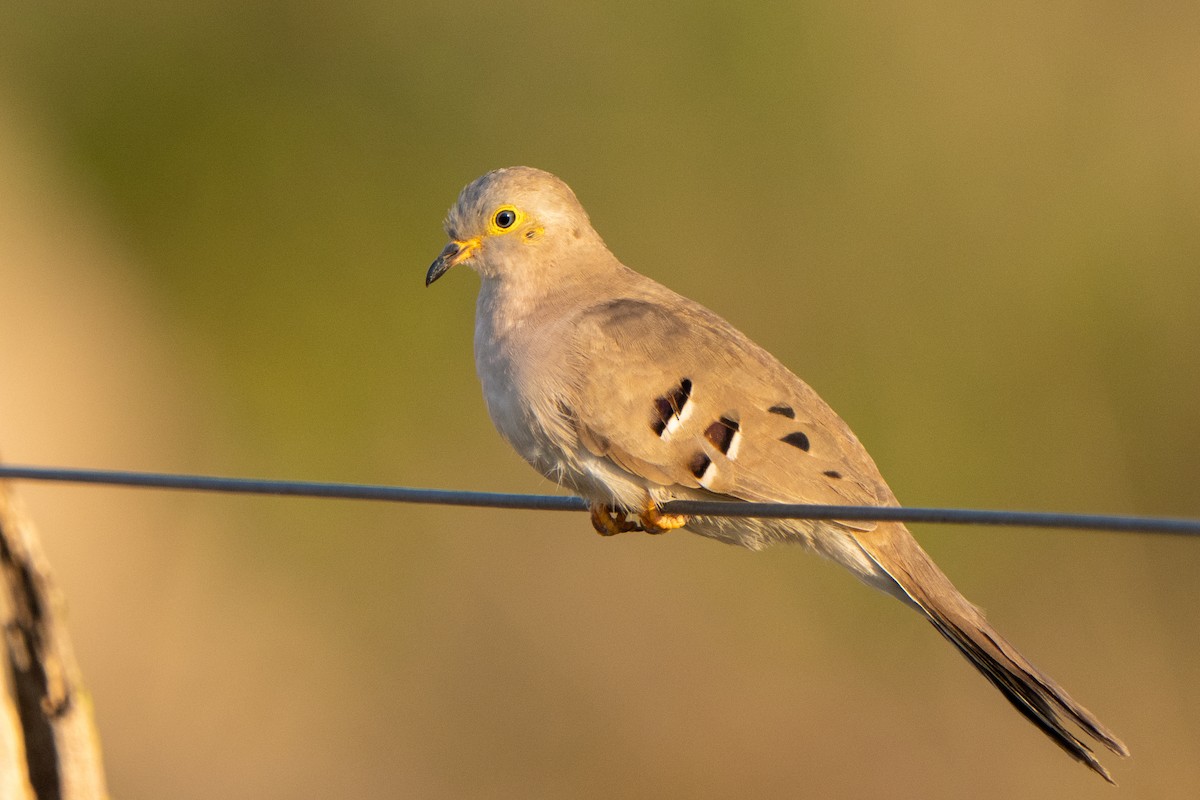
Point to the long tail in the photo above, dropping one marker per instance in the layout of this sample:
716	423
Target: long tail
1042	701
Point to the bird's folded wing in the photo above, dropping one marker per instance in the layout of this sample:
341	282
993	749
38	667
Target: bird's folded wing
672	393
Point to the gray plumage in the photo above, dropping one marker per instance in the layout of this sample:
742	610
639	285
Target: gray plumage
632	395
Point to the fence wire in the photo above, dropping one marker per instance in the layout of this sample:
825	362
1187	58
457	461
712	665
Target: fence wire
447	497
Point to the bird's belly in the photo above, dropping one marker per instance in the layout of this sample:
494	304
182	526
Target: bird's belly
515	423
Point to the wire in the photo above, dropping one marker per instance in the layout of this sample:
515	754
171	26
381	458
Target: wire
400	494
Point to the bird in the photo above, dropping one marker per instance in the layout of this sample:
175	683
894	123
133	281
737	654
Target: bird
631	395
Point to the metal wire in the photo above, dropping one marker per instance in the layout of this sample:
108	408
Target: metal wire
400	494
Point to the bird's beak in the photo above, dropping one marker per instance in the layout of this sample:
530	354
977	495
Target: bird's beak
455	253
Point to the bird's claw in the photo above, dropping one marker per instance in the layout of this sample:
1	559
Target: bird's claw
654	521
610	521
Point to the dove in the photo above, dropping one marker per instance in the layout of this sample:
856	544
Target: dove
632	395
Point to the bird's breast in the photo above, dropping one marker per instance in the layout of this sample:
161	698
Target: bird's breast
513	375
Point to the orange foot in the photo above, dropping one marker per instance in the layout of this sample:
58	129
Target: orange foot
609	521
654	521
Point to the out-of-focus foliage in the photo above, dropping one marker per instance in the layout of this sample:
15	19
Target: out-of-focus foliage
974	231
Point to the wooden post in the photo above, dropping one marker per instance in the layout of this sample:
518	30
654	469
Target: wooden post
49	748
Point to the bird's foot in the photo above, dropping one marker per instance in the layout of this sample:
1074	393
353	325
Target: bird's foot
654	521
609	521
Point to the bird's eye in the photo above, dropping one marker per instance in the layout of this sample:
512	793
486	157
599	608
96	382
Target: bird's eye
505	218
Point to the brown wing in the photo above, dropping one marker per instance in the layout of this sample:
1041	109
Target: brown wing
673	393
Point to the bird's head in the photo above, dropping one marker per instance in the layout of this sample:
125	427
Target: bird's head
514	222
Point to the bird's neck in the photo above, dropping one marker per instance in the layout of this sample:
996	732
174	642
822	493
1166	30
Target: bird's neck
510	302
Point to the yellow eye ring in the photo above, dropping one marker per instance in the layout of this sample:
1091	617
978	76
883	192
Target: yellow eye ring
504	219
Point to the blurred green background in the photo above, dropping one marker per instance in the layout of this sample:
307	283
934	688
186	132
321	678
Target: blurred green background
973	229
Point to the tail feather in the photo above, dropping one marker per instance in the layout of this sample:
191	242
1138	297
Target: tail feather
1040	699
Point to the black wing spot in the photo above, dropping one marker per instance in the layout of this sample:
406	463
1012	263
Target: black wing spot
721	433
797	439
670	405
662	413
680	395
699	464
783	410
832	473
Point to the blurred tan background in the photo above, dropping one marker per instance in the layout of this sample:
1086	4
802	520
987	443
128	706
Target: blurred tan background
974	231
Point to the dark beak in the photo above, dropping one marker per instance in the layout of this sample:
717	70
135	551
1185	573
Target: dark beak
455	253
